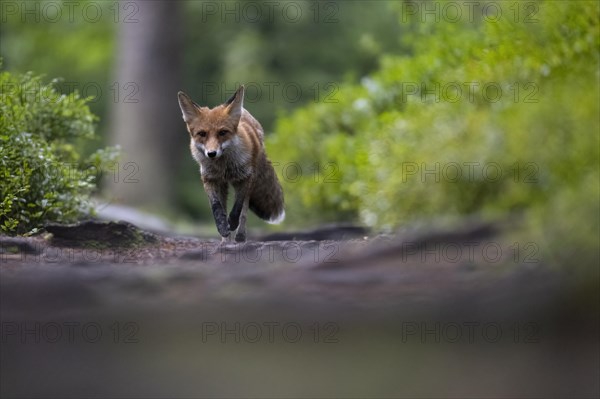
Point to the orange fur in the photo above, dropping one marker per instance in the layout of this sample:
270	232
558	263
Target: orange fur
227	142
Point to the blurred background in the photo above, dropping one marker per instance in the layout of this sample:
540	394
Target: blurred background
409	117
379	113
131	58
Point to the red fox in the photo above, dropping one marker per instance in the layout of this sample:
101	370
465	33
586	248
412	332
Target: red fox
227	142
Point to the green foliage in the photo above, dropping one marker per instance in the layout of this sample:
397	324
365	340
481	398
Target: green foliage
75	41
288	55
486	117
285	62
291	54
44	179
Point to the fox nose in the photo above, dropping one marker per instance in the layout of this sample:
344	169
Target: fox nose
211	154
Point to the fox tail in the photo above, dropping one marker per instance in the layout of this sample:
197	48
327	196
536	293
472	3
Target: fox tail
266	200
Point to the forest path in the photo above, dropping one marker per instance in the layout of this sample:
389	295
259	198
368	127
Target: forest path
374	316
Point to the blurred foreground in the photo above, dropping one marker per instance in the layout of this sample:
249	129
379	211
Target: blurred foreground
466	312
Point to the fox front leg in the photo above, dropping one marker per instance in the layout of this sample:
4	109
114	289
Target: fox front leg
217	196
237	217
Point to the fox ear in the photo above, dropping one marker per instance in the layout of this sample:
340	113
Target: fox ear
188	107
235	104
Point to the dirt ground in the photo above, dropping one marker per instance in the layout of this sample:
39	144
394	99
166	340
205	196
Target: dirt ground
106	310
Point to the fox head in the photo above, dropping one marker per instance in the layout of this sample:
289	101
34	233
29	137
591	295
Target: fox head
212	130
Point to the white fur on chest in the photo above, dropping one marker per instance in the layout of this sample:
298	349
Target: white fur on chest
235	163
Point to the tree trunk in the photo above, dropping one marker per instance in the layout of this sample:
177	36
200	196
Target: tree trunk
145	117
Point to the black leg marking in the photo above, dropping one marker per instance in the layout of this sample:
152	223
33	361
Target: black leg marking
220	219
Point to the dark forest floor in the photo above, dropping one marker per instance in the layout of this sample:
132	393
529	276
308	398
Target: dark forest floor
106	310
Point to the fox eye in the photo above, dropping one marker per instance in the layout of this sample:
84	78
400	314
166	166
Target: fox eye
223	132
201	133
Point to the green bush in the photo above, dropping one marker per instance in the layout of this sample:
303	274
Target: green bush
486	154
44	178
